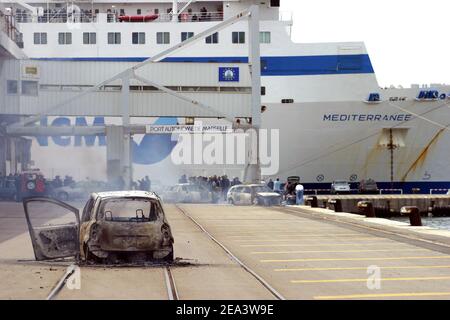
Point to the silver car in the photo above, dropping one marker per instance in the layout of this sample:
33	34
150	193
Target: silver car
187	193
340	186
79	190
253	194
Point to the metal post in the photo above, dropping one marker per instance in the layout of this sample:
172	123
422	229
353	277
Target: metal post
391	147
13	161
253	171
126	164
175	11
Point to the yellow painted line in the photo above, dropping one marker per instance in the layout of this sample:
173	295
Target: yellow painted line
365	280
293	235
359	268
337	251
302	238
385	295
357	259
314	244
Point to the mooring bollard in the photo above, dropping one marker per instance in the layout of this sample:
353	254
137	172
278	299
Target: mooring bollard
366	208
414	215
337	204
312	201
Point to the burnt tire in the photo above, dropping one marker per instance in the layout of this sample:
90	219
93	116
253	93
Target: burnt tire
169	257
89	256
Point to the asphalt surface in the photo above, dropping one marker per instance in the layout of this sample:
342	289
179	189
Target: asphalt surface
300	256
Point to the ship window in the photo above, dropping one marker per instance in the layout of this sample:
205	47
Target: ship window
29	88
264	37
163	37
263	91
40	38
12	87
186	35
65	38
156	11
89	38
138	37
275	3
287	101
238	37
214	38
138	11
122	12
114	38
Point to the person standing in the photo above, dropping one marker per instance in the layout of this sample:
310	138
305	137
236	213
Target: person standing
277	186
148	184
270	184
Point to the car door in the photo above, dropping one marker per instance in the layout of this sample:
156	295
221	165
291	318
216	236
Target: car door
246	196
53	226
236	195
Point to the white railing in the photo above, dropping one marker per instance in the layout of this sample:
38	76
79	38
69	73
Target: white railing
85	16
8	26
286	16
391	191
441	191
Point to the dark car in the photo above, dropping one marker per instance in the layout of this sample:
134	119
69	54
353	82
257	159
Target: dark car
368	186
121	226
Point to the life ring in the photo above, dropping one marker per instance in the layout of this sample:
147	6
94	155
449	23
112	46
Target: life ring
443	96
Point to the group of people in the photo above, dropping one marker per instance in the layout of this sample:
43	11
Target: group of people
217	184
144	184
58	182
287	188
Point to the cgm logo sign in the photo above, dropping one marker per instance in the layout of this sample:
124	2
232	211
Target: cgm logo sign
228	74
152	149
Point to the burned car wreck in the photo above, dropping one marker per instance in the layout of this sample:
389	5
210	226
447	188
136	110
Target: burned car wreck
115	227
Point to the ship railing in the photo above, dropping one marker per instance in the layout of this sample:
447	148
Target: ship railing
8	26
286	16
60	16
85	16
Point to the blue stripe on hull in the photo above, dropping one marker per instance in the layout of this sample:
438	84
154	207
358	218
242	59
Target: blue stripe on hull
271	66
407	187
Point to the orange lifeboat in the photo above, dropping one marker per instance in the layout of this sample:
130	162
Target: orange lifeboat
147	18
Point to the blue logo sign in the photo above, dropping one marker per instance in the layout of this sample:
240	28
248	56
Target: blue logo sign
152	149
228	74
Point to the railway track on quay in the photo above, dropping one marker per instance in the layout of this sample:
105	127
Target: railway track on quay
252	272
64	287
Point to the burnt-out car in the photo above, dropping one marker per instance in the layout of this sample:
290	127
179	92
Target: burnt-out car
120	226
253	194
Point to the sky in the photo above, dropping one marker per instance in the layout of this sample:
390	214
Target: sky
408	40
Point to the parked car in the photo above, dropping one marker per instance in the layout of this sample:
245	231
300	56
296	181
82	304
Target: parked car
368	186
188	193
79	190
115	226
340	186
254	194
8	188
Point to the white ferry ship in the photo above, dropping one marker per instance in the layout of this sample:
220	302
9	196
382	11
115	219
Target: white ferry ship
335	121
